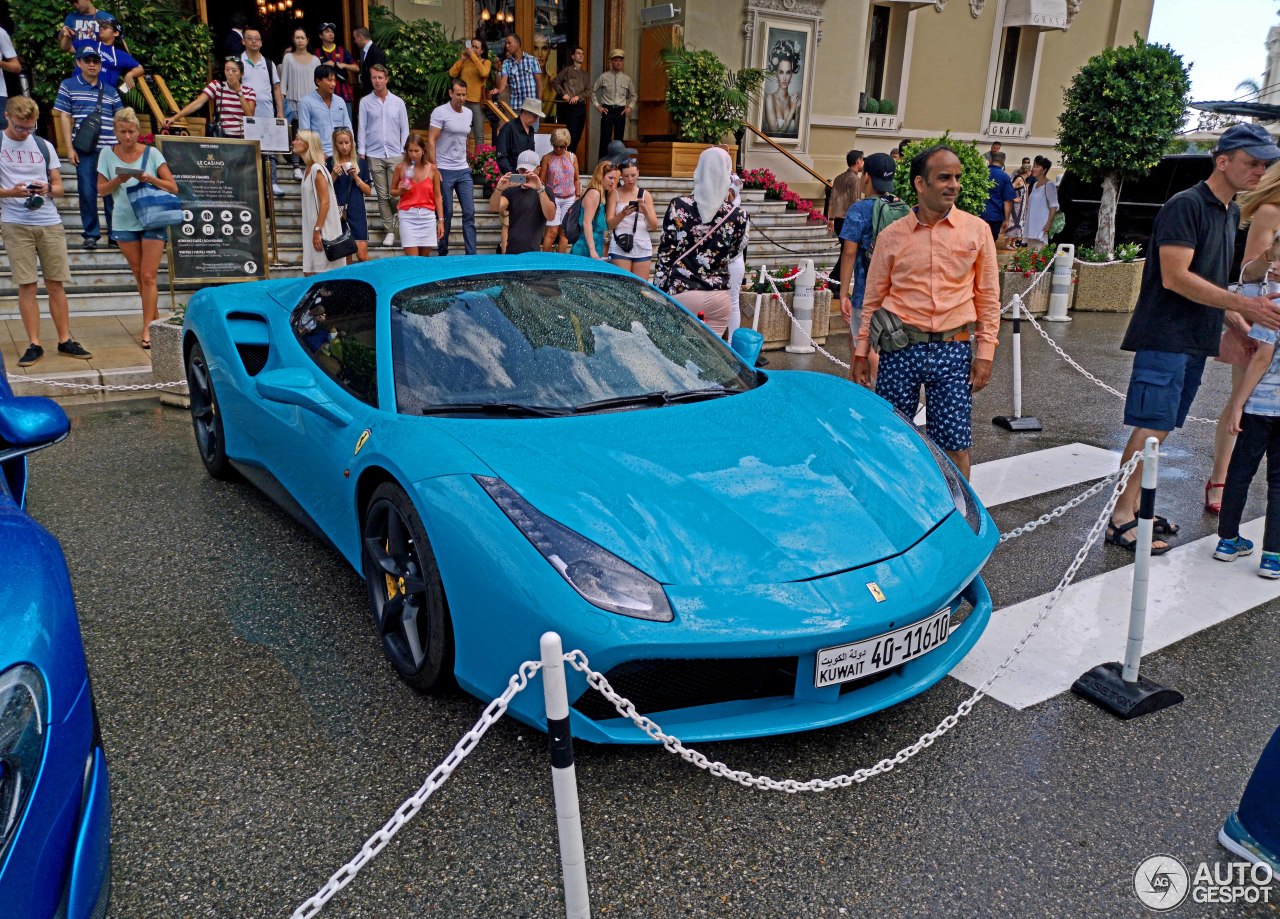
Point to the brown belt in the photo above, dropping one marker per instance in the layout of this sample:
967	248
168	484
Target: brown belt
919	336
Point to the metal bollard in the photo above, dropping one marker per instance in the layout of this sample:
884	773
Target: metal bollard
564	780
1122	690
802	308
1016	422
1060	292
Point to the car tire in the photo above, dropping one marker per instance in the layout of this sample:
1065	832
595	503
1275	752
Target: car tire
406	595
206	416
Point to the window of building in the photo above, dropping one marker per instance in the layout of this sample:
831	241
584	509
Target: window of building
335	323
1015	77
888	47
877	50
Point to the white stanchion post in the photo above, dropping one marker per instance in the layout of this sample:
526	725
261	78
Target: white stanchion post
755	320
1060	292
802	308
1121	689
1016	422
564	780
1142	561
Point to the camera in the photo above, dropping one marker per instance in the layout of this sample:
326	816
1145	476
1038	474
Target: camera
517	179
35	200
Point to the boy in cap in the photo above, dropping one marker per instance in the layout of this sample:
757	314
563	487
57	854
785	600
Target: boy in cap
862	224
119	67
1177	322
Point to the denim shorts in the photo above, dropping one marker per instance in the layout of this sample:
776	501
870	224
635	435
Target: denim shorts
1162	387
942	368
133	236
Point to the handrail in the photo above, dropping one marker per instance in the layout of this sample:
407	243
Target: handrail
496	109
157	113
785	152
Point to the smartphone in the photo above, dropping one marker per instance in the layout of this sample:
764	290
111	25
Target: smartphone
518	179
128	171
33	187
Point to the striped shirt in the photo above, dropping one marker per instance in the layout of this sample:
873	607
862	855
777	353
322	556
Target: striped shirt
230	111
522	78
78	98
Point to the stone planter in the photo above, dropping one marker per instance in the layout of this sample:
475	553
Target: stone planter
1013	282
166	362
1108	287
775	325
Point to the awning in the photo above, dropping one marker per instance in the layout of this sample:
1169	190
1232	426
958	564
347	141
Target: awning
908	4
1036	14
1259	110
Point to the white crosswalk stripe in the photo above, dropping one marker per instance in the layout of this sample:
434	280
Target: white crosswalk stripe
1028	474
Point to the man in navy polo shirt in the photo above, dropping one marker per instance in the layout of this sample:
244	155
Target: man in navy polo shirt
78	96
1178	320
999	210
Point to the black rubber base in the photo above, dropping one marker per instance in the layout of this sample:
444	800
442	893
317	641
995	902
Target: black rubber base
1105	687
1017	425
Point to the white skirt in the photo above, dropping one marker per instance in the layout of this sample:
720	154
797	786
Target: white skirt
418	228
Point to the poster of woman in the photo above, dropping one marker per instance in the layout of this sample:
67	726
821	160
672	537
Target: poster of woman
786	56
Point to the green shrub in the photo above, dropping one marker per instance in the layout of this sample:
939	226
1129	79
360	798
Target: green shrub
871	106
706	99
888	107
975	177
1016	117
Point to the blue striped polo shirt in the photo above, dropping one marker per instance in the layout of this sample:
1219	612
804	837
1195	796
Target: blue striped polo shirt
78	99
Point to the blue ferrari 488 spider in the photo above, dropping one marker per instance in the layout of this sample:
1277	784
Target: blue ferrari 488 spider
55	809
503	446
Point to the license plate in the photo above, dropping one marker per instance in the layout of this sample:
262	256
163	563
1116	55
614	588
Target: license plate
865	658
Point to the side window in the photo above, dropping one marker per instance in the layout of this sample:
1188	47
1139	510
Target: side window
335	323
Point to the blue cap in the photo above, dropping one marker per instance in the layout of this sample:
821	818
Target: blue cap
85	53
1253	139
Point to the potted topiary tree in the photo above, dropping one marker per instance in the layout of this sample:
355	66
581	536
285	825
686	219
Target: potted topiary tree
707	101
1122	109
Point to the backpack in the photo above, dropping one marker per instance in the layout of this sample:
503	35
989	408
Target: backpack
571	223
885	212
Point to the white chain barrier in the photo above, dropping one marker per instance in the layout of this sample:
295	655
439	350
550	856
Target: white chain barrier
597	681
98	387
406	811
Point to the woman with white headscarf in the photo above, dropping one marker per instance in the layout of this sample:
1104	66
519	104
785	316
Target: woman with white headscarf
701	234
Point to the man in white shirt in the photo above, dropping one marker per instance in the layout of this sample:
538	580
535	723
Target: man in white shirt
32	228
384	129
447	144
261	75
9	63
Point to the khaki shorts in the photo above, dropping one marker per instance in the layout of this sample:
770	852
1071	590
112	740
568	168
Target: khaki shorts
27	243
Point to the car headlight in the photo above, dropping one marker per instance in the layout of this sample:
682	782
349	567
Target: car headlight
22	739
599	576
961	494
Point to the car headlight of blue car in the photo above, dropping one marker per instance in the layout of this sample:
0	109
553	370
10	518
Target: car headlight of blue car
22	740
599	576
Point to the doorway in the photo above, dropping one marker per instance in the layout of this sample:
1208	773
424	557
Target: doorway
277	19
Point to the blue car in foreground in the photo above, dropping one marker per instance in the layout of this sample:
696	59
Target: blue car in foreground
55	808
507	445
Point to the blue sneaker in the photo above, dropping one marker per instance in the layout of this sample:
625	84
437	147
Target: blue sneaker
1237	840
1231	549
1270	567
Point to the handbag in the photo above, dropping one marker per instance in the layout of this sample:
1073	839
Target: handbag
155	208
85	140
886	334
214	127
342	245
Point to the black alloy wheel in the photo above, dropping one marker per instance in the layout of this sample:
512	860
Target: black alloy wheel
406	594
206	417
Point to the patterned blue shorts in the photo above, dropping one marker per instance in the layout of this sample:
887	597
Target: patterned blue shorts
942	368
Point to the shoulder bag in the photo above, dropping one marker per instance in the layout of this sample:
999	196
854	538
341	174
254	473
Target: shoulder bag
344	243
626	241
155	208
85	140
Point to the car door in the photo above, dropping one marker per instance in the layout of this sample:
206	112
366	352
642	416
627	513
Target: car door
324	398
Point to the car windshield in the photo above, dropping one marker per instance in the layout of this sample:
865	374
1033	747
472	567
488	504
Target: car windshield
552	342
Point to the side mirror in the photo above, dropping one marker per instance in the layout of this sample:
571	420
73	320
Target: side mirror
747	344
28	424
293	386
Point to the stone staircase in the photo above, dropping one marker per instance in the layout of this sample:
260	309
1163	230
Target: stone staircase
102	284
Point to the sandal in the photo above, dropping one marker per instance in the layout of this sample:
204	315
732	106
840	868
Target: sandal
1163	526
1213	507
1115	536
146	344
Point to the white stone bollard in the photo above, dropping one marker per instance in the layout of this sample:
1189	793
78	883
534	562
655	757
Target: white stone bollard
1060	291
802	309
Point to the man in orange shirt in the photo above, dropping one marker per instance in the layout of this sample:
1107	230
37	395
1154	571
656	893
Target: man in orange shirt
935	270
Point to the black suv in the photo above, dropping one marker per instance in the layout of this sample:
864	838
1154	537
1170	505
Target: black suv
1140	199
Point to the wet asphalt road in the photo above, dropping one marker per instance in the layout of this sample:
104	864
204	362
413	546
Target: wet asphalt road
256	736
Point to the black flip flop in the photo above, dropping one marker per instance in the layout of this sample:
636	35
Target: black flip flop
1163	526
1115	536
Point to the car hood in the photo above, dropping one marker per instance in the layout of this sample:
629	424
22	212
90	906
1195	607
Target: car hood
804	476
